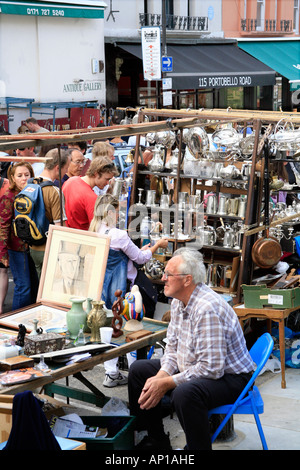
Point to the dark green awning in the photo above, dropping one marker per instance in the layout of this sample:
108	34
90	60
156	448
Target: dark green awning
53	9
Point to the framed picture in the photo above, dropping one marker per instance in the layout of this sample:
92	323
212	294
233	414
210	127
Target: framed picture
47	317
74	265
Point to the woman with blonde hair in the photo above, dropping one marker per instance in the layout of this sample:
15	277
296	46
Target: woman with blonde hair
13	251
103	149
121	272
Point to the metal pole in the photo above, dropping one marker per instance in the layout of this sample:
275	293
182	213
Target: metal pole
163	23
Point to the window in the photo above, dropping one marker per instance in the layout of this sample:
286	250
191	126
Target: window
296	16
260	15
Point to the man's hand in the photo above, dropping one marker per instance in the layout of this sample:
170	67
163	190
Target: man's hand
154	390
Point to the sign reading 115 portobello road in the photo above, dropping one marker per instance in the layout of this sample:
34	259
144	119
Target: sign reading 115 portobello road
225	81
51	9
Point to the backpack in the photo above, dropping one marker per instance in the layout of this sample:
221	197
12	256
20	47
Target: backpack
30	222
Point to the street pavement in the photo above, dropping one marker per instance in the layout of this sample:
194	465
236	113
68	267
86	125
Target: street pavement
280	420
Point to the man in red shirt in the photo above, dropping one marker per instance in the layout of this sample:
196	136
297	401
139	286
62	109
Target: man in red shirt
79	195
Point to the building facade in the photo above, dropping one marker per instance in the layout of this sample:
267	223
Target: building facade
52	62
205	41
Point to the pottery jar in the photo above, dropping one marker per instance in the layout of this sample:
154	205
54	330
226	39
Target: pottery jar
76	316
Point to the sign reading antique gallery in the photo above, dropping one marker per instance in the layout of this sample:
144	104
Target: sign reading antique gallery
82	86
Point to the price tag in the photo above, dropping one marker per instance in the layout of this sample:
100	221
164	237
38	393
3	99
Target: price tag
275	299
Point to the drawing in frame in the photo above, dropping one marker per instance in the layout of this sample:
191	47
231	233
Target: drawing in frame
74	265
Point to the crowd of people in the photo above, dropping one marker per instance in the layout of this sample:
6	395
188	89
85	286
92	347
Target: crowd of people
206	362
82	202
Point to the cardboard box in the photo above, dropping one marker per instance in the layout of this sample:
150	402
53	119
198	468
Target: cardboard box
261	296
45	342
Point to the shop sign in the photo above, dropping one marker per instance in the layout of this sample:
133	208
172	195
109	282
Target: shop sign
82	87
50	9
218	81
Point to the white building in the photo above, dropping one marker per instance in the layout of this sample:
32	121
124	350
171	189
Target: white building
51	61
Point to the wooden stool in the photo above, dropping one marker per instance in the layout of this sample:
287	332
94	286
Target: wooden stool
269	314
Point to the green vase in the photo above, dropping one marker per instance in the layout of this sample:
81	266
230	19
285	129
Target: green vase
76	316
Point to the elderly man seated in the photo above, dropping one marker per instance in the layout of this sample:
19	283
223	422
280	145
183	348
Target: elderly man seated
206	362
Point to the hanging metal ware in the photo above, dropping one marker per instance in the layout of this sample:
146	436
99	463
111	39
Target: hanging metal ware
266	251
197	141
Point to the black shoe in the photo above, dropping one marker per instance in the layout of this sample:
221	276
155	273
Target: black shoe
149	443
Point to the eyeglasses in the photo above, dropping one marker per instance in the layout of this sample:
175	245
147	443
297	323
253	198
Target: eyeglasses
167	274
79	162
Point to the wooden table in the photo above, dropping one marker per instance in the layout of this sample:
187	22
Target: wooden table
159	331
269	314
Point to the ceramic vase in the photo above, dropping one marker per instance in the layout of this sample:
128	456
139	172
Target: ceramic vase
76	316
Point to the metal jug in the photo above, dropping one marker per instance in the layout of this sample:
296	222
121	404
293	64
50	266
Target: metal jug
222	204
150	197
119	186
246	170
232	206
229	237
164	201
211	207
207	235
242	207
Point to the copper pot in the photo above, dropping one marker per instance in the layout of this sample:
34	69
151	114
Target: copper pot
266	251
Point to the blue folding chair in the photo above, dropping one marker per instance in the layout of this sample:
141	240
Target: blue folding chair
250	400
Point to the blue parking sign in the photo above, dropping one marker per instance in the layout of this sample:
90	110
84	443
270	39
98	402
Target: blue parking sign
166	63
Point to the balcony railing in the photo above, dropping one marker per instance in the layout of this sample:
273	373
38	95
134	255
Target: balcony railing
173	22
275	26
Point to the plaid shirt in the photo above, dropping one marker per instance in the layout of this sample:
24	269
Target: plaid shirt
205	339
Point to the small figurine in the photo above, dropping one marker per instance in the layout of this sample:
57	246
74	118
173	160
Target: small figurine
133	310
21	335
117	310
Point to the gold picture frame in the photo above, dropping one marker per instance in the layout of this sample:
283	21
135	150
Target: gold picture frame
74	265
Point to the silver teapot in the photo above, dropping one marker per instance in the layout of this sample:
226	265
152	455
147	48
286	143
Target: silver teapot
229	237
229	171
207	235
